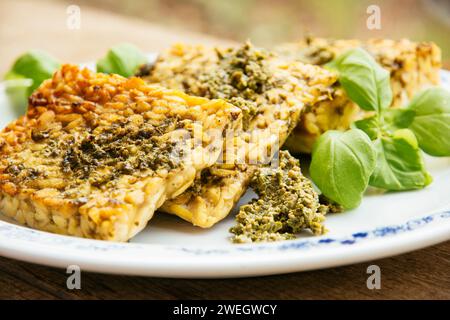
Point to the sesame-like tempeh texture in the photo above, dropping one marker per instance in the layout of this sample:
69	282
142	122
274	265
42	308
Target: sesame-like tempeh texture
97	154
413	66
271	94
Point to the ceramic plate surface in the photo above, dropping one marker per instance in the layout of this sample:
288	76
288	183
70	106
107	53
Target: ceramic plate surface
384	225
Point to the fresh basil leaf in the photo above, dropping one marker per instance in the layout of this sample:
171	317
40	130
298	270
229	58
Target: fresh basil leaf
17	90
341	165
370	126
35	65
395	119
431	123
399	163
14	80
365	82
26	74
123	59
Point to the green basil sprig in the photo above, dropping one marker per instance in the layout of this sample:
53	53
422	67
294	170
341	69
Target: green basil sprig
341	165
123	59
427	116
26	74
371	126
399	163
35	65
364	81
431	121
397	135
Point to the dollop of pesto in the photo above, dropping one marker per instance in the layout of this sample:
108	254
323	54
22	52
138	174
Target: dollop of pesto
240	77
287	204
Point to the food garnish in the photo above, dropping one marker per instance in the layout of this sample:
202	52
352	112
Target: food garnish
399	164
26	74
241	77
428	116
412	66
364	80
341	165
287	204
123	59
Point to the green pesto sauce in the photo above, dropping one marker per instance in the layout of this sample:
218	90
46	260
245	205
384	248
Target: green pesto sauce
240	77
205	180
122	148
312	53
315	55
286	205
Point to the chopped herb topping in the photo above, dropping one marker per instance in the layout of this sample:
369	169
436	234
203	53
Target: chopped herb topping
204	180
287	204
240	76
20	172
316	55
122	148
145	70
314	52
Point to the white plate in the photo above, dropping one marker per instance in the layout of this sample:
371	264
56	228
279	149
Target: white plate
384	225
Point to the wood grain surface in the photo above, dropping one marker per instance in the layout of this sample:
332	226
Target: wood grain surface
422	274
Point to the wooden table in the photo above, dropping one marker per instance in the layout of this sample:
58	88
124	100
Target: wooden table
422	274
419	275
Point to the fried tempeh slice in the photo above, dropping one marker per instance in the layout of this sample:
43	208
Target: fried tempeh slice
97	154
271	94
413	66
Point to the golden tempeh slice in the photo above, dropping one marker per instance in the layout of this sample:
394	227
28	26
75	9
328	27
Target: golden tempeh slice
270	92
97	154
412	65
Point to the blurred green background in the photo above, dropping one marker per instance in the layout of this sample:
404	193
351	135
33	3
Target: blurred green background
268	22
